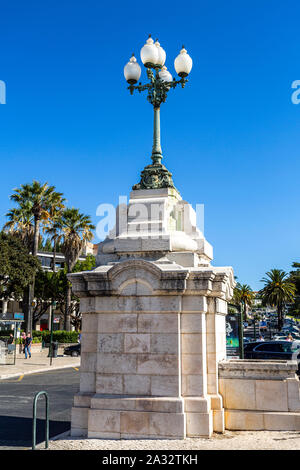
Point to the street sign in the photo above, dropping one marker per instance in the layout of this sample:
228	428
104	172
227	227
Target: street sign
19	316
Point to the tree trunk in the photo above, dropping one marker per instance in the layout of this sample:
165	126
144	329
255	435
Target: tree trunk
54	254
34	323
36	236
67	326
245	312
4	307
29	323
280	317
241	334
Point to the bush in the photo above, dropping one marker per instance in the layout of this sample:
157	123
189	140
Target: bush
61	336
6	332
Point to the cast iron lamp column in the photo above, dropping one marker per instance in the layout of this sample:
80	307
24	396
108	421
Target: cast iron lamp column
153	56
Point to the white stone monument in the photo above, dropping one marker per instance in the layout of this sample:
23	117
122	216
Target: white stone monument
153	326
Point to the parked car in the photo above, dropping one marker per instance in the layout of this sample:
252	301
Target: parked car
279	338
286	331
282	350
247	340
73	350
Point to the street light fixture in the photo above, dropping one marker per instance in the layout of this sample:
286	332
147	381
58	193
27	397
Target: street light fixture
153	57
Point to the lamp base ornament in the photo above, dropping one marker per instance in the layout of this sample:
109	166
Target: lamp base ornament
155	176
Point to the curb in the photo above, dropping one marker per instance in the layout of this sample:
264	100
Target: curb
47	369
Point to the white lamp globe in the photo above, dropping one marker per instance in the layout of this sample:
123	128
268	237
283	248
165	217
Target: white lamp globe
132	71
165	75
183	63
149	53
161	54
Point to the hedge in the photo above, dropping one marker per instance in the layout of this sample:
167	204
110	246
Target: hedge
61	336
6	332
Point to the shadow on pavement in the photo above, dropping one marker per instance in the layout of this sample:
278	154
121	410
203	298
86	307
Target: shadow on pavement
17	431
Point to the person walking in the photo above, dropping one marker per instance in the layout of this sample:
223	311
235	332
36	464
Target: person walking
22	342
27	348
289	337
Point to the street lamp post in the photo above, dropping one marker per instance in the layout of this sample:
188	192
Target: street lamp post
153	56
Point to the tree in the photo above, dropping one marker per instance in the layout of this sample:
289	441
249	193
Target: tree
17	267
87	265
294	277
39	202
43	200
21	224
45	292
277	291
52	286
77	231
55	233
243	297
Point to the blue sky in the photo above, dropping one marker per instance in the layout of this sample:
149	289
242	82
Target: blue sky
230	138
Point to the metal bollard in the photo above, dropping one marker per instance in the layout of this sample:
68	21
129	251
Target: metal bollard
34	420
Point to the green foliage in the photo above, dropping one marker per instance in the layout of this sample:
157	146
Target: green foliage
17	267
61	336
87	265
243	296
6	333
294	277
277	291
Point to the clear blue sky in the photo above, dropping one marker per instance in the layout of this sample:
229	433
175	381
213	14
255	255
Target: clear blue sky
230	138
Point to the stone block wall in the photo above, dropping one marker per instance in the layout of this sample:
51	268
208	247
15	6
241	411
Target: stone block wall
151	337
260	395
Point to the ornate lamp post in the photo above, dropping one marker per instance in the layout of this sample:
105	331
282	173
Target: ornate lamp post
153	56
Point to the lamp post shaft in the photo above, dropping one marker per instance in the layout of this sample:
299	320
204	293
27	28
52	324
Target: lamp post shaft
156	149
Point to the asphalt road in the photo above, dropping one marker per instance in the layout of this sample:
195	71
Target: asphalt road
16	406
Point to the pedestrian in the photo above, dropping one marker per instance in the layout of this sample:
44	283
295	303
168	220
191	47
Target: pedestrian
289	337
27	348
79	338
261	338
22	344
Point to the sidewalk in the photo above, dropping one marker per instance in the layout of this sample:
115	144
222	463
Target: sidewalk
39	362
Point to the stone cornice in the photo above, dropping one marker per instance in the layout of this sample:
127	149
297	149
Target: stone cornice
165	279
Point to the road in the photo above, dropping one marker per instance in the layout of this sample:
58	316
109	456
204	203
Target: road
16	406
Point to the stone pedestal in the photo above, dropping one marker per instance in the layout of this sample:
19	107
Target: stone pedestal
260	395
153	326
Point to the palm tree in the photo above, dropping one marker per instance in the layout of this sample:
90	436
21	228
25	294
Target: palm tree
21	224
77	231
54	230
243	296
44	202
38	202
247	297
277	291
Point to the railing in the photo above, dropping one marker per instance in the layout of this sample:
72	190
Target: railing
46	421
